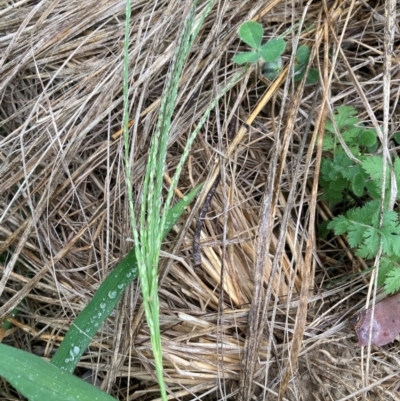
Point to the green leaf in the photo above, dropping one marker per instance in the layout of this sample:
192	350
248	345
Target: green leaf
345	117
396	168
373	166
299	71
323	230
39	380
390	233
367	215
312	77
104	301
385	266
392	282
339	224
351	136
273	49
356	234
373	189
251	33
396	137
358	184
246	57
272	69
368	137
303	54
329	142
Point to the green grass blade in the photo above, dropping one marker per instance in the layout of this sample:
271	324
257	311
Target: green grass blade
39	380
104	301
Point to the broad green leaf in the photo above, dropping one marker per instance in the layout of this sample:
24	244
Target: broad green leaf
39	380
273	49
246	57
104	301
358	184
368	137
312	77
303	54
251	33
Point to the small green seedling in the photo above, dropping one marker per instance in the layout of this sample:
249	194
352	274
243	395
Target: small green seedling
300	67
355	173
252	33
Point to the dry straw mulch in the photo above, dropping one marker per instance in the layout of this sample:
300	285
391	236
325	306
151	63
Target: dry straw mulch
64	211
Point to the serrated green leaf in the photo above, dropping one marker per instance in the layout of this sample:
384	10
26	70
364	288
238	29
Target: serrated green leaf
368	137
358	184
392	282
303	54
339	224
367	215
372	239
333	190
39	380
246	57
251	32
373	189
385	266
390	233
273	49
329	142
373	166
355	234
350	172
345	117
312	77
364	252
351	136
329	127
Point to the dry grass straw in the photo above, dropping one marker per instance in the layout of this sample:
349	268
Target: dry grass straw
63	204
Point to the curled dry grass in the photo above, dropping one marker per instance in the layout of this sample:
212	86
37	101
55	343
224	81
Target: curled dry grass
63	205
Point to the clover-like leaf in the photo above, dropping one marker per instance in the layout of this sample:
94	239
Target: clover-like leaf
299	71
312	77
273	49
246	57
272	69
303	54
251	33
